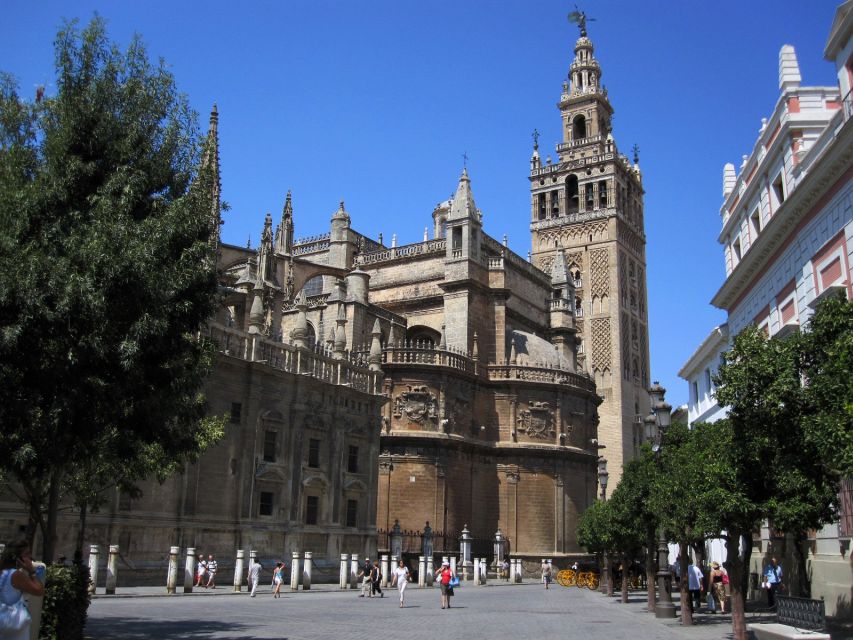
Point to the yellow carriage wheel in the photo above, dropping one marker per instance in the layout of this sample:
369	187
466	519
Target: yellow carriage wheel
592	581
563	577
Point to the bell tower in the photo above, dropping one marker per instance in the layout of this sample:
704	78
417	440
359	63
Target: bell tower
588	204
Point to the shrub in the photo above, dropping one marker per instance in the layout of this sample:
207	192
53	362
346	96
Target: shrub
66	601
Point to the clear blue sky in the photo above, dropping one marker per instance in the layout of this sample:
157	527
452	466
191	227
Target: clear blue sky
374	102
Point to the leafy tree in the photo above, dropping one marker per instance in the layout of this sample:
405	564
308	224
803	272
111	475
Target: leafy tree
106	276
826	351
771	470
634	521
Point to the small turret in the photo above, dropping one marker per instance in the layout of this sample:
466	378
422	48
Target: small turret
729	179
299	334
374	359
789	69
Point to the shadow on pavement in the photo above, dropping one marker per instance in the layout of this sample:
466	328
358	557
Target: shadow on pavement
132	628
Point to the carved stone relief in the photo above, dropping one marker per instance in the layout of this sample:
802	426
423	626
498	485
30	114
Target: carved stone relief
418	404
537	421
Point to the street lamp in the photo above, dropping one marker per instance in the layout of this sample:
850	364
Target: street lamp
602	483
657	422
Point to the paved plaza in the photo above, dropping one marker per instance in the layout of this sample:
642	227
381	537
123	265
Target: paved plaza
496	611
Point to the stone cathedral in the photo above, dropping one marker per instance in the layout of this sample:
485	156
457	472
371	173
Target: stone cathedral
449	382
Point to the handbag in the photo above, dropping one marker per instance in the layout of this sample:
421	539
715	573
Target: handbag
454	581
13	617
449	590
710	602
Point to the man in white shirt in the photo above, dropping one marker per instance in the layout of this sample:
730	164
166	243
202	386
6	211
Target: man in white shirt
254	575
694	585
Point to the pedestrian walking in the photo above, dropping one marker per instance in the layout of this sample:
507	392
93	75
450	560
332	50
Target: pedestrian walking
445	575
211	572
364	574
277	579
717	589
254	575
694	586
400	580
772	581
200	571
546	574
376	580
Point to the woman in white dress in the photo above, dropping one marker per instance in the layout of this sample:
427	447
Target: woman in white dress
400	580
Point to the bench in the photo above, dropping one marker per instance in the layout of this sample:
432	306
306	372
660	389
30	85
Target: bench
797	619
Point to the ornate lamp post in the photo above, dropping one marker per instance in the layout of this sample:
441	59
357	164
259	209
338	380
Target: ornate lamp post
602	483
657	423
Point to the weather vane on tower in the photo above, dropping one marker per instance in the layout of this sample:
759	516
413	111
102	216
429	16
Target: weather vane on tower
579	18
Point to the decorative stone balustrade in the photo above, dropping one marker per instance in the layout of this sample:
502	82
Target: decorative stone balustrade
317	363
534	373
405	251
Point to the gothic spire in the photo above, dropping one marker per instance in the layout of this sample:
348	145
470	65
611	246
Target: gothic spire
284	232
211	159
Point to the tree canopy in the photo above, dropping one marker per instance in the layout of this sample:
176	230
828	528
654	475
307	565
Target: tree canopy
106	272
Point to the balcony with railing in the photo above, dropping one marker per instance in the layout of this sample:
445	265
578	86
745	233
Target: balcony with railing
580	142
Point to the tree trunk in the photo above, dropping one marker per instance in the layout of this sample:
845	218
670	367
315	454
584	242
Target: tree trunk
49	531
625	566
650	573
683	584
799	585
736	581
608	567
78	549
746	543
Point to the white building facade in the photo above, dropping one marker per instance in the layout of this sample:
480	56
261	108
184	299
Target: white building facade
787	237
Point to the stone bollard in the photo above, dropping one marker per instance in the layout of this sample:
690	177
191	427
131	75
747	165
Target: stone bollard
519	570
477	571
430	571
393	563
421	571
238	571
353	571
189	570
453	565
112	569
386	571
172	574
512	569
484	571
343	579
94	552
306	571
294	571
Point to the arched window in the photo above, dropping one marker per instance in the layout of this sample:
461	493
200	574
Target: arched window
602	194
579	127
572	194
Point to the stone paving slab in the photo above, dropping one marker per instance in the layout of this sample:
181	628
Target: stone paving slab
499	612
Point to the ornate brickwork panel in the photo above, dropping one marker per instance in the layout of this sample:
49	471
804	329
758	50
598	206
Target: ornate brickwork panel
631	240
546	262
537	421
601	351
599	272
623	279
626	345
